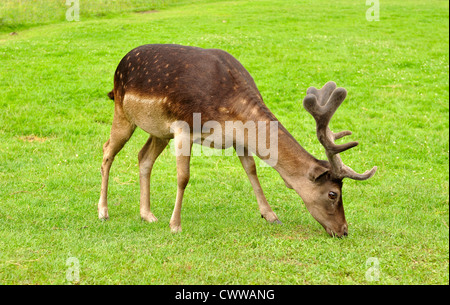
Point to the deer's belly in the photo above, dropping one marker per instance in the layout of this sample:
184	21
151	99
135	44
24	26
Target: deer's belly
148	114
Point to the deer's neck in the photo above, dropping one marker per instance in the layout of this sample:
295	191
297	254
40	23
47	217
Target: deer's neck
294	162
287	156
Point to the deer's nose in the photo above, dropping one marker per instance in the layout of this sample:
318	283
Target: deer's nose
345	230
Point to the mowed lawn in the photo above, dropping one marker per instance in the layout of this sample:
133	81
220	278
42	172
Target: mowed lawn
55	117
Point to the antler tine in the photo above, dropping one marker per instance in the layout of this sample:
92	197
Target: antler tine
350	173
342	134
322	104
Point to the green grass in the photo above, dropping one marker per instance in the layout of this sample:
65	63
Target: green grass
21	14
55	117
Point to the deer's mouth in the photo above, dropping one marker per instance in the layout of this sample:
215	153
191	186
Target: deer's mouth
342	232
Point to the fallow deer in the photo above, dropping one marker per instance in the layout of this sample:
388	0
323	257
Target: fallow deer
156	86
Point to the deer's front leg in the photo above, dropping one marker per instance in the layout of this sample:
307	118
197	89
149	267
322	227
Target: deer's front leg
248	163
182	180
147	157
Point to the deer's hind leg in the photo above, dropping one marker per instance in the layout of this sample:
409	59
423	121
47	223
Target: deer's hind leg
147	156
121	131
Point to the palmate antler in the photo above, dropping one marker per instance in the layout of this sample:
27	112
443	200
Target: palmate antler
322	104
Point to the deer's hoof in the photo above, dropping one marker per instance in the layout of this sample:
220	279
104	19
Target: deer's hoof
271	217
149	217
103	214
175	229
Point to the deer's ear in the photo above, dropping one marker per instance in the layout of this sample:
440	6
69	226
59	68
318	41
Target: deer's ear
316	172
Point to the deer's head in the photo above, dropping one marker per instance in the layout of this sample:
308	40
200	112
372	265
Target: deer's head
323	192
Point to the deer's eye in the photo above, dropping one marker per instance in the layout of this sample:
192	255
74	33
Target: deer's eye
332	195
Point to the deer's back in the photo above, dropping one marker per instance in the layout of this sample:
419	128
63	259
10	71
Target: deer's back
182	80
